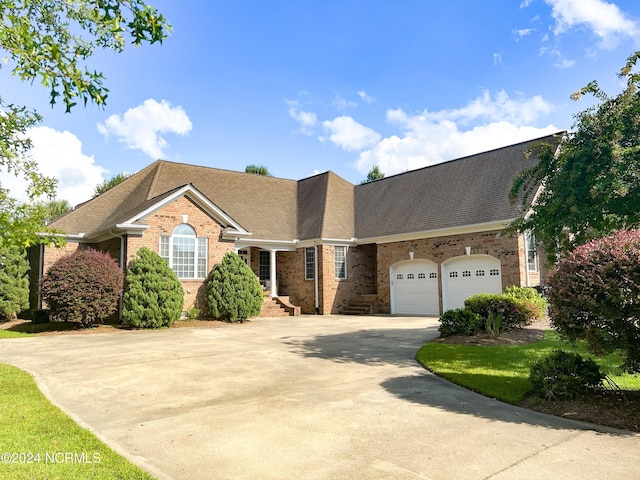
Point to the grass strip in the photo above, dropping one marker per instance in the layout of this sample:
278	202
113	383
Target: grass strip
39	441
502	372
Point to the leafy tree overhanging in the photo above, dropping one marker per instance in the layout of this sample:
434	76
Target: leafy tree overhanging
591	183
51	42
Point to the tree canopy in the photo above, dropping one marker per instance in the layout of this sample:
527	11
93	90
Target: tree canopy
52	42
374	174
258	169
110	183
591	182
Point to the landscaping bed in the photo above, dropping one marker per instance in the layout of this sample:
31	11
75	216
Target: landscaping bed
616	409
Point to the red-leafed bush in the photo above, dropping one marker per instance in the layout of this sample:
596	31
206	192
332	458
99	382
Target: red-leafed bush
83	287
595	296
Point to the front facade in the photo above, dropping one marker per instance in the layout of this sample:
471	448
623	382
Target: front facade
415	243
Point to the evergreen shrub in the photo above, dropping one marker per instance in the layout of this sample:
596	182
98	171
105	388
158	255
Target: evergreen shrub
486	304
153	295
14	283
460	321
564	376
233	290
83	287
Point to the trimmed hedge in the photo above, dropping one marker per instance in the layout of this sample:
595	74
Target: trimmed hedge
83	287
153	294
519	306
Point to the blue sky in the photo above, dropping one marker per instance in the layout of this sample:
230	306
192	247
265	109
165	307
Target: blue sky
308	86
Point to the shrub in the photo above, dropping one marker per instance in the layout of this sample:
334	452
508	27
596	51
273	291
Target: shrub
14	283
532	304
233	290
485	304
595	295
459	321
84	287
564	376
153	294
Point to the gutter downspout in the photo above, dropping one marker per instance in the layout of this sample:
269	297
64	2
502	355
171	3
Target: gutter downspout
315	276
123	268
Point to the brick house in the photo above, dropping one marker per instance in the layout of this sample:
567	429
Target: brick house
415	243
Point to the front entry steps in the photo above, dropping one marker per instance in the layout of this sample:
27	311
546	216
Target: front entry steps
279	307
361	305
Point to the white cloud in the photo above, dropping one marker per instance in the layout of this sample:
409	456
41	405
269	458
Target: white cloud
519	111
523	32
306	119
606	20
497	58
349	134
428	138
342	103
59	155
365	97
141	128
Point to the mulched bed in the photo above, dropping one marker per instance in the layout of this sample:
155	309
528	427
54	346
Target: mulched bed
616	409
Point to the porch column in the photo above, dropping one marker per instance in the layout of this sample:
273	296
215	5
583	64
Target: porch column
272	272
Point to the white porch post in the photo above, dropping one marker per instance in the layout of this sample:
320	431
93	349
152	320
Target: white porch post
272	272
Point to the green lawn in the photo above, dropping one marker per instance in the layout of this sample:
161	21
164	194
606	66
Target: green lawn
38	441
11	334
502	371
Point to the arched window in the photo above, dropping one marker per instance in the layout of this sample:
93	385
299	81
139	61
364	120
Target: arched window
185	253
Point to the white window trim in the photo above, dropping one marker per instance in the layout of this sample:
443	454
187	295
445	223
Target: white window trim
196	257
528	252
308	263
345	262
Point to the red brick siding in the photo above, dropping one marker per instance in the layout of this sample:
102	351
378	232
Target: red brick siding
509	250
164	221
291	281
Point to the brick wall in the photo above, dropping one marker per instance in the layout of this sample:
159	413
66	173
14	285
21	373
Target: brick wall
291	281
163	222
509	250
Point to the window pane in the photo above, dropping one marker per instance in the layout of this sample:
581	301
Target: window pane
263	270
202	257
340	257
184	229
164	247
309	263
184	251
532	257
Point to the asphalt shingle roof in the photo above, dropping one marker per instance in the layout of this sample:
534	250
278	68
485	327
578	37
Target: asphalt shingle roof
470	190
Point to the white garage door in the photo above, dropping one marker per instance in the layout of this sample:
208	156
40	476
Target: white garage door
467	275
414	288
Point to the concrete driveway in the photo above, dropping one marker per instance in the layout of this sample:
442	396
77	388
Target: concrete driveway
304	397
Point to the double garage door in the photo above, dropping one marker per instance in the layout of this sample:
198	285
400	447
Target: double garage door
414	284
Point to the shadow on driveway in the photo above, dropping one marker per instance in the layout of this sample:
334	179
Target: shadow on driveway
368	347
376	347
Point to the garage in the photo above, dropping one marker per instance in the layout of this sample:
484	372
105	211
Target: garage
414	288
467	275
